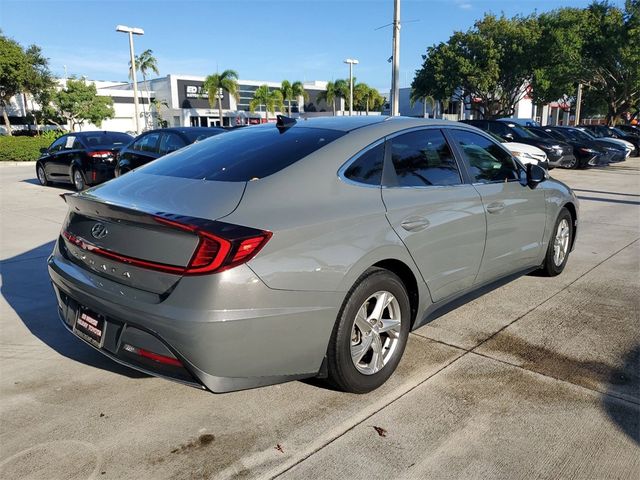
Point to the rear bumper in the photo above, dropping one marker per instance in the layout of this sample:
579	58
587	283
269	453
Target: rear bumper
229	330
99	173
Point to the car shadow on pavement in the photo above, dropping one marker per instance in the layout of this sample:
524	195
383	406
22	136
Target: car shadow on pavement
619	385
60	186
27	289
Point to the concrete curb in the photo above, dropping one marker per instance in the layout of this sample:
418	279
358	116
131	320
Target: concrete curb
17	164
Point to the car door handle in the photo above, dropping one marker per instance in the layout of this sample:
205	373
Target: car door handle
495	207
414	224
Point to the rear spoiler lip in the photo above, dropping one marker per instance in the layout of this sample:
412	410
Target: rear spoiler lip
102	210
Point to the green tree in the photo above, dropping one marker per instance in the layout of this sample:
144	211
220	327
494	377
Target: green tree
329	95
428	99
215	85
292	91
342	90
145	64
39	83
487	67
271	99
14	71
78	102
599	47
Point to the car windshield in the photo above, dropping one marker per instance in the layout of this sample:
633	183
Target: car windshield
582	134
106	139
241	155
618	131
521	132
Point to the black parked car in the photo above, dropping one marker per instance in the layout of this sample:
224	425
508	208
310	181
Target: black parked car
616	152
560	154
630	129
81	158
588	153
604	131
156	143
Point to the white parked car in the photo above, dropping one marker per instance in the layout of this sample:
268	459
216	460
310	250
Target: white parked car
528	153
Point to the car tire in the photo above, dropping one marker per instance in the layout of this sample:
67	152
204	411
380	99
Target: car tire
42	175
367	343
573	165
560	244
77	178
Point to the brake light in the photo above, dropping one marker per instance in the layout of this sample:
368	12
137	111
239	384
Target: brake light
213	253
100	154
156	357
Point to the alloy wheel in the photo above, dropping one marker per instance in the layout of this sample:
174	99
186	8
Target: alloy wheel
42	177
78	181
376	332
561	242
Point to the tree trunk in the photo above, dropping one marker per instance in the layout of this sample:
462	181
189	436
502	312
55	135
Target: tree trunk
6	119
334	107
289	106
367	107
220	109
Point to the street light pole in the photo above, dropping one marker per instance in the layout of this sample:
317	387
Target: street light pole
133	31
351	62
395	85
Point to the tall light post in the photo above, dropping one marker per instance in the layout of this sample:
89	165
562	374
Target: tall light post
351	62
395	82
133	31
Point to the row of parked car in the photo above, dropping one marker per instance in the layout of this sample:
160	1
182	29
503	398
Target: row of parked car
89	158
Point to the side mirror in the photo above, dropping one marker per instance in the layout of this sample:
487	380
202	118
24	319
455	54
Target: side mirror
508	136
535	175
44	149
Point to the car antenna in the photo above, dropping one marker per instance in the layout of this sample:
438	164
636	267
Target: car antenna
283	122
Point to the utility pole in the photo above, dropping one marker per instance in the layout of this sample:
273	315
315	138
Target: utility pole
351	62
133	31
395	75
578	103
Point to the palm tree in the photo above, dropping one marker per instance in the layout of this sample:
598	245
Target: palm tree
145	63
342	90
215	85
271	99
419	97
292	91
329	96
373	99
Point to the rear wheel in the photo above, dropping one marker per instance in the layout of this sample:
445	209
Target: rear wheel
78	180
559	245
42	175
370	333
573	163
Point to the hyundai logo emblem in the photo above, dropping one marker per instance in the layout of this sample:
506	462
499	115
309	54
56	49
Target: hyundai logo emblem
99	231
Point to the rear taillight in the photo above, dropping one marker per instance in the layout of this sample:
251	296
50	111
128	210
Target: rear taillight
214	253
101	154
156	357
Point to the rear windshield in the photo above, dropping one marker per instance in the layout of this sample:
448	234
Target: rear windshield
106	139
244	154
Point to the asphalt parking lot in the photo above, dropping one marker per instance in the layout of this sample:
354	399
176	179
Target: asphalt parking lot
537	379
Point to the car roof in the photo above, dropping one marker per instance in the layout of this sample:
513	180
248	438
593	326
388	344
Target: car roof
184	129
348	124
94	132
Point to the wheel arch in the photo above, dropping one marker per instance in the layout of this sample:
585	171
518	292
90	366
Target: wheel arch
573	211
408	278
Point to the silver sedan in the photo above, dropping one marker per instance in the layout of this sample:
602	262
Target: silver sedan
307	248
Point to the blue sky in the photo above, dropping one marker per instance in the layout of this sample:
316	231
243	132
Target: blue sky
261	40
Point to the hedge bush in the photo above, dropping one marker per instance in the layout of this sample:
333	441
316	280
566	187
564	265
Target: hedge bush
22	149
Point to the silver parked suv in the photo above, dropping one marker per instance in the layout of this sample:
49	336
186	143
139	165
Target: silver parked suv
301	249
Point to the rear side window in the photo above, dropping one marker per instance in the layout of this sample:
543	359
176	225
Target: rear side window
148	143
423	158
244	154
487	161
170	142
367	168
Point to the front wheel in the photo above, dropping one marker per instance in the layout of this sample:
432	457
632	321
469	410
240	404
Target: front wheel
370	334
559	245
